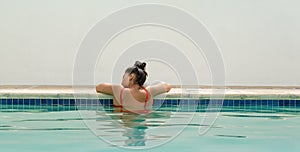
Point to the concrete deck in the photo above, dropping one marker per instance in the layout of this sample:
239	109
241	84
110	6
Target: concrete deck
197	92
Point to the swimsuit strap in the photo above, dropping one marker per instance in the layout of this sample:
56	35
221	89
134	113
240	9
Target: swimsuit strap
120	106
121	94
147	96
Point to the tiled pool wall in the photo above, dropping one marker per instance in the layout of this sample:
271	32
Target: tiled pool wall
200	105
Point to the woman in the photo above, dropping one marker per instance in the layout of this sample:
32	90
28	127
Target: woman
132	96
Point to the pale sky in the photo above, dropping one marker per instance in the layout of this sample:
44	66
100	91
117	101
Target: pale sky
258	40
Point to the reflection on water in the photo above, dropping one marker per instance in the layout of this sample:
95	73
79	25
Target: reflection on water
135	127
129	129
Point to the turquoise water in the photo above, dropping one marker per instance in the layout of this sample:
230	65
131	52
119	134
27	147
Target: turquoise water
35	130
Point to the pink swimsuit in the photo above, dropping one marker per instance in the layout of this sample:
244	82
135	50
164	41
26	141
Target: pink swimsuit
121	100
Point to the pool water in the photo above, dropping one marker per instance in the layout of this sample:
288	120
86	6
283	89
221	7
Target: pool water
38	130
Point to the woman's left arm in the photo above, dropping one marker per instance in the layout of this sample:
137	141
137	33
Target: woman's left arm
107	88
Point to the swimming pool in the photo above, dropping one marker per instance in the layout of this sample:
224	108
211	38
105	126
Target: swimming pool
52	123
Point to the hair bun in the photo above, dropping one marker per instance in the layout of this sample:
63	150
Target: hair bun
140	65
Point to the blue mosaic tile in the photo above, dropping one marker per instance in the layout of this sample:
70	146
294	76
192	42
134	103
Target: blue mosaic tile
77	101
65	102
297	103
281	102
258	102
193	103
9	101
26	101
21	101
72	102
264	102
3	101
55	101
220	101
208	101
49	101
59	101
31	101
15	101
247	102
110	101
168	102
44	102
83	101
174	102
292	103
270	102
89	101
37	101
202	102
242	102
286	102
275	103
253	102
230	102
104	101
94	102
183	102
236	102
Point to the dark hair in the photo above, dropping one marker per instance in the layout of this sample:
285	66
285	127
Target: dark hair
139	70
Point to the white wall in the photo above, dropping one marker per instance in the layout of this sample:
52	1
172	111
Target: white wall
259	39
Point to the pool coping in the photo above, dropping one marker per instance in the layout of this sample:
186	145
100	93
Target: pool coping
177	92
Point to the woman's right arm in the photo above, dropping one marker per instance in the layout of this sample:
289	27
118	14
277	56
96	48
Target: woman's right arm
159	88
